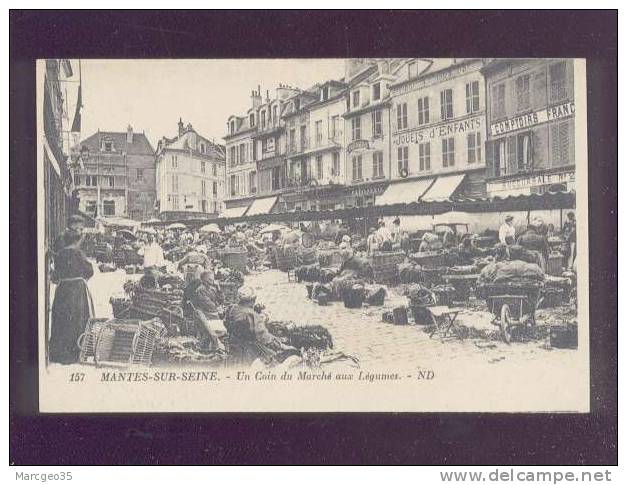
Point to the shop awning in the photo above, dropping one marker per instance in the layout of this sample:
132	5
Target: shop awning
234	212
262	206
403	192
444	187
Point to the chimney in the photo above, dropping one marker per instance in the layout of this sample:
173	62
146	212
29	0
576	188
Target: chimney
181	127
129	135
256	98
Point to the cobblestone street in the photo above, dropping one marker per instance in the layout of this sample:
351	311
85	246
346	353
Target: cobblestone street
362	333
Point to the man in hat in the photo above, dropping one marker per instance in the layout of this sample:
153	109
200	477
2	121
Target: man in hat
507	233
206	297
249	338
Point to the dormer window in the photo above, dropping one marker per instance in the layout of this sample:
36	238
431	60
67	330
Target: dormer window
324	93
376	91
252	120
232	127
108	146
355	99
275	111
263	119
202	148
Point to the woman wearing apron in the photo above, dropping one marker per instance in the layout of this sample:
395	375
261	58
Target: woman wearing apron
73	305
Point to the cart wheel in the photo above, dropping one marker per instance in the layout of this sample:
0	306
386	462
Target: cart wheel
506	320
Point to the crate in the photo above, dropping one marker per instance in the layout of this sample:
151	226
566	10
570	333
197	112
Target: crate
235	258
555	264
286	260
385	266
431	259
564	337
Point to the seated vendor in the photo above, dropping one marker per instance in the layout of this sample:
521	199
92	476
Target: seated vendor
206	297
468	249
192	264
249	339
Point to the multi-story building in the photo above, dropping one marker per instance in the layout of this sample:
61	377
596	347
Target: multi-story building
241	165
531	117
367	128
190	176
117	175
438	131
56	110
269	148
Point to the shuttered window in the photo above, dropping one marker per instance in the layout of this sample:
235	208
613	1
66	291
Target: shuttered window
560	144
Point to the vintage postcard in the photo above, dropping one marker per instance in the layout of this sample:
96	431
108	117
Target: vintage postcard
313	235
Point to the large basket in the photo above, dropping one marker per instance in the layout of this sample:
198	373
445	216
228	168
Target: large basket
330	258
385	266
306	256
235	258
109	342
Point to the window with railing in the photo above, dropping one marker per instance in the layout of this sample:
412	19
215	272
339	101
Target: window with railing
472	97
446	104
448	152
357	168
423	111
377	165
424	156
356	128
403	160
377	124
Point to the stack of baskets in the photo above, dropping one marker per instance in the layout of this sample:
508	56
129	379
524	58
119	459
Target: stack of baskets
385	266
235	258
107	342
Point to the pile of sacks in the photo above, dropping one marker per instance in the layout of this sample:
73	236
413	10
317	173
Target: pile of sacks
503	272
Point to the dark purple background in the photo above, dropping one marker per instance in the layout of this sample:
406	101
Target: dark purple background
315	438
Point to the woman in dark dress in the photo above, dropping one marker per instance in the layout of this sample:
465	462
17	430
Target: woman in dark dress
73	305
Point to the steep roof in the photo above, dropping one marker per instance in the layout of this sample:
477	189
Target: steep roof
140	145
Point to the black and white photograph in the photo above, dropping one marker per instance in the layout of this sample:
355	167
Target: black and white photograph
394	226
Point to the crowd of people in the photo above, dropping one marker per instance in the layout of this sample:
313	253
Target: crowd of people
244	322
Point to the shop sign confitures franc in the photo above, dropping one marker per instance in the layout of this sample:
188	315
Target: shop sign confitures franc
531	119
449	129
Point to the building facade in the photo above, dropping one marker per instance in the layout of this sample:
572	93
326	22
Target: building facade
190	173
116	176
367	119
531	126
438	128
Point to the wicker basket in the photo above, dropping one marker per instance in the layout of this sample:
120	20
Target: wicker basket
330	258
235	258
120	341
306	256
385	266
